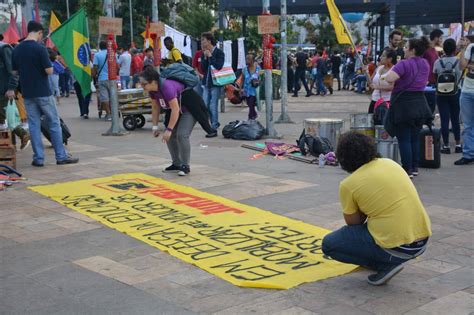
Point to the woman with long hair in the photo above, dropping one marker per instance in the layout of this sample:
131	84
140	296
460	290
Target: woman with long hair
409	110
382	89
172	96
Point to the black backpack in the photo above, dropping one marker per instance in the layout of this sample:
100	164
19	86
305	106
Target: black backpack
380	112
314	145
447	82
187	60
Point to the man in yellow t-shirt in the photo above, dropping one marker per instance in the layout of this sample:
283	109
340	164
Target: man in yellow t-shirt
387	224
174	54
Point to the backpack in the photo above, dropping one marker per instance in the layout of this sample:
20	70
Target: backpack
187	60
180	72
380	111
447	82
313	145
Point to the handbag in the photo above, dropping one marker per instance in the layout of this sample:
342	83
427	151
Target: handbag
13	116
224	76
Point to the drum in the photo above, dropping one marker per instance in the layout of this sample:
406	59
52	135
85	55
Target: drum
389	150
381	135
325	128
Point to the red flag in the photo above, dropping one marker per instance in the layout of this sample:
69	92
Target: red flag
37	12
11	35
24	29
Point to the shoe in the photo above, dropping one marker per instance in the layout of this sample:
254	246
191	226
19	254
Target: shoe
309	94
37	164
294	95
25	142
172	169
69	160
410	174
108	117
382	277
212	134
458	149
86	116
445	150
415	172
185	170
464	161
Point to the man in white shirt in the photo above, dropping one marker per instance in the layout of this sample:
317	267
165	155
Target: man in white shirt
124	61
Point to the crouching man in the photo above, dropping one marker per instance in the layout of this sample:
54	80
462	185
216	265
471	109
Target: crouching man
387	224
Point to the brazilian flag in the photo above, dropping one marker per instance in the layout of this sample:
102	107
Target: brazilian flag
72	41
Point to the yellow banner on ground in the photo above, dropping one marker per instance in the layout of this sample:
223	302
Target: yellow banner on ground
339	24
244	245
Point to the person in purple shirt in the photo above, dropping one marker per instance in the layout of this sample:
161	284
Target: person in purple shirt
180	106
409	109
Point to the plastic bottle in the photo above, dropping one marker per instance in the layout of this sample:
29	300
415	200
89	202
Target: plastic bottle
322	160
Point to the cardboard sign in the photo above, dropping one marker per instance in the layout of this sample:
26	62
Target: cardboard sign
108	25
158	28
246	246
268	24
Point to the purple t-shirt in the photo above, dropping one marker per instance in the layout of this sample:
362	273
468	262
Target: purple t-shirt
413	73
170	90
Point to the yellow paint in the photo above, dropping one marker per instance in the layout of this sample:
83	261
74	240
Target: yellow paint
246	246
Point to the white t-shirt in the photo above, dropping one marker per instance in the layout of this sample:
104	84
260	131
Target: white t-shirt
468	85
125	61
378	94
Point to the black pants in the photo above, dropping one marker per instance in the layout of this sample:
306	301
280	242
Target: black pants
195	105
83	101
300	74
337	76
449	109
291	80
371	107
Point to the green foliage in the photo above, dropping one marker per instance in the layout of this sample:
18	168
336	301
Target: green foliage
195	20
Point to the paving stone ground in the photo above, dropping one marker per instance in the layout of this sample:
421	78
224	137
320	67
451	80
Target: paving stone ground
56	261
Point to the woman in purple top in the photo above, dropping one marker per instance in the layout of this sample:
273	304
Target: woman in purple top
179	121
409	110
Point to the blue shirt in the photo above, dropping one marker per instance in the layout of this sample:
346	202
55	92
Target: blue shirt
31	60
100	59
248	77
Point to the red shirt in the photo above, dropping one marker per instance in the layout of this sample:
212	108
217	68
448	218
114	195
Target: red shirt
431	55
197	61
137	65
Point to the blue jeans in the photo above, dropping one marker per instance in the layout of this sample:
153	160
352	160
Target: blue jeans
448	106
320	84
125	82
353	244
409	143
211	97
46	106
65	82
361	82
467	115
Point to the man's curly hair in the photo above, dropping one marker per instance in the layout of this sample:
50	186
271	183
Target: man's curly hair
354	150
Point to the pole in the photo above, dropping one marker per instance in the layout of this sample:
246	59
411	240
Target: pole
154	10
284	117
67	8
462	17
131	21
270	130
221	46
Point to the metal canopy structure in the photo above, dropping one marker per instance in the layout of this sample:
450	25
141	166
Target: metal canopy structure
407	12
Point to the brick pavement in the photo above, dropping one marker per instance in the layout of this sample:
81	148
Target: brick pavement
57	261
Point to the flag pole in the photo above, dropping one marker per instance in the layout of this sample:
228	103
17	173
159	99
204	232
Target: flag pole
131	21
67	8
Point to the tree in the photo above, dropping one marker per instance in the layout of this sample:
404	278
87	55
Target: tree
195	20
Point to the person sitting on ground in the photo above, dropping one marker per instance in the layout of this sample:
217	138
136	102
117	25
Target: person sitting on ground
386	226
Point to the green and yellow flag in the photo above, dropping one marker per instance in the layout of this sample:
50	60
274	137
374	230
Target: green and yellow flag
338	22
72	41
